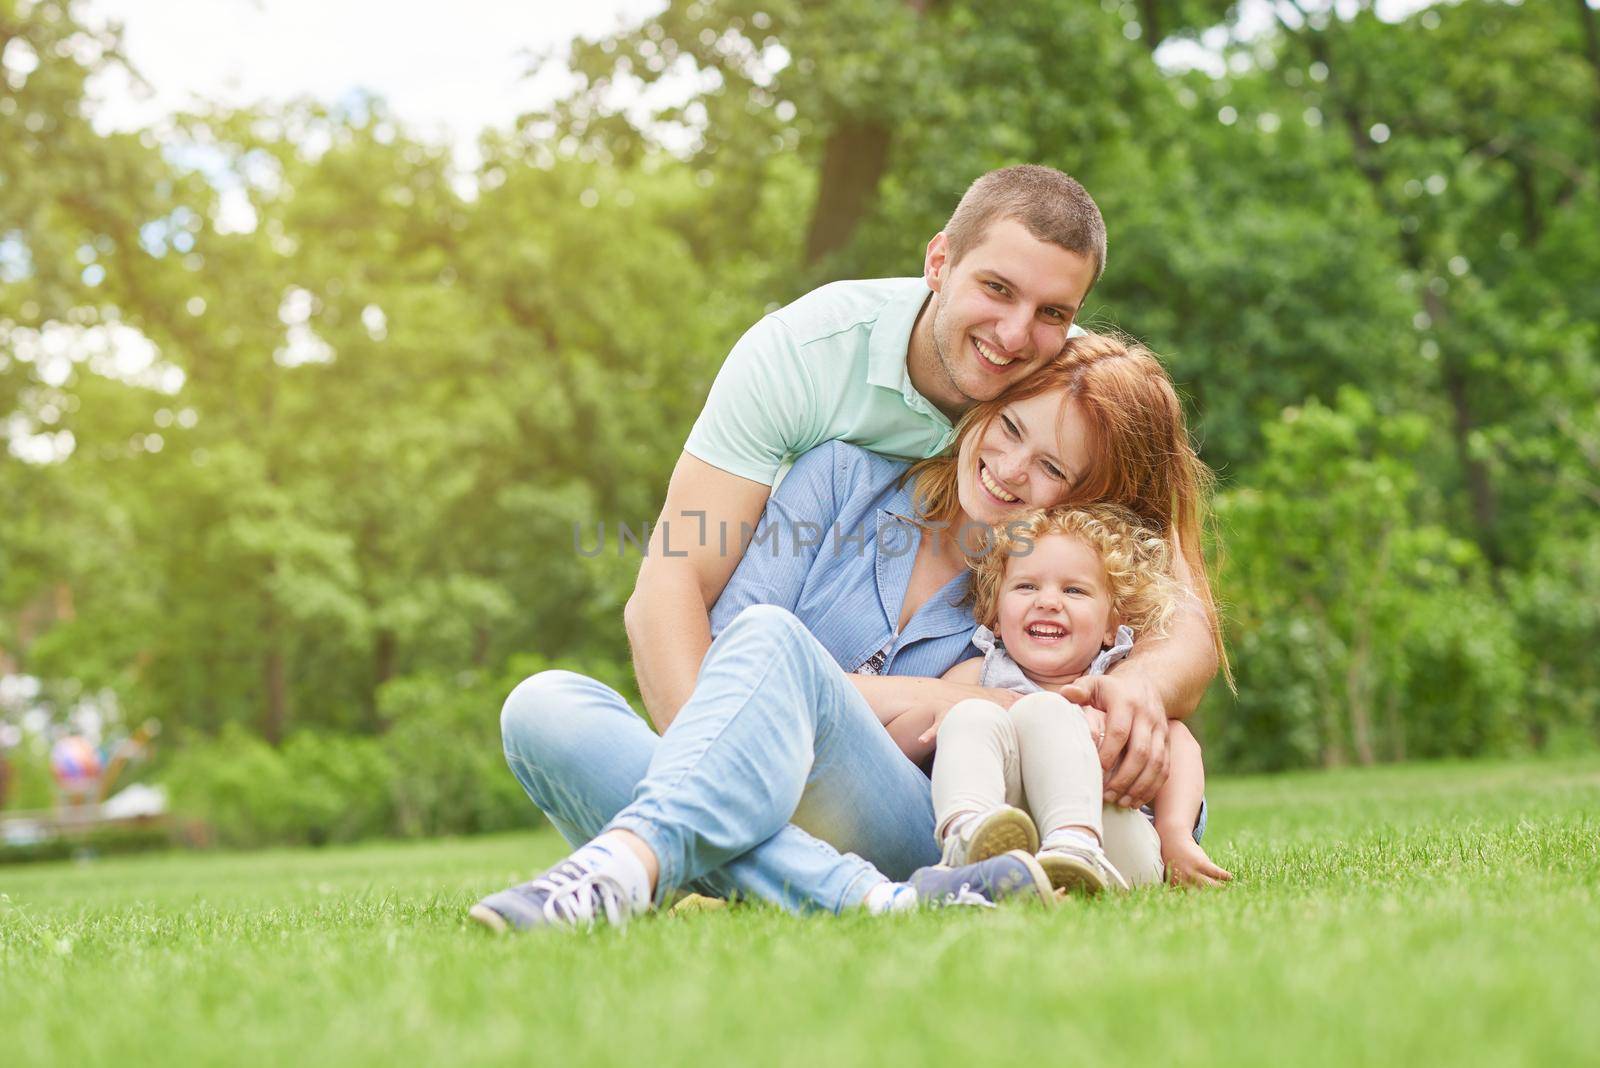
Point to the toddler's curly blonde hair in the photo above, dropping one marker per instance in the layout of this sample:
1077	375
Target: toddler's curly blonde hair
1137	560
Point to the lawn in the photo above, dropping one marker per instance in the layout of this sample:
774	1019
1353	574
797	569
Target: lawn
1439	914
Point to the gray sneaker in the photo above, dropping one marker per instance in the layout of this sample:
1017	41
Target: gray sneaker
1074	869
988	882
988	834
571	894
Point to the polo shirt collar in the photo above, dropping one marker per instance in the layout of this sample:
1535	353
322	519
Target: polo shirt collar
891	337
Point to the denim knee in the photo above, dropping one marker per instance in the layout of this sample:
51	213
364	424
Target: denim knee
541	717
762	623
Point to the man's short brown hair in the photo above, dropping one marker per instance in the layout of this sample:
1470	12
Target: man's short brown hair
1053	206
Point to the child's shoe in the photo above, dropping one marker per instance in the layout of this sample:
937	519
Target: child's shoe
1079	869
989	834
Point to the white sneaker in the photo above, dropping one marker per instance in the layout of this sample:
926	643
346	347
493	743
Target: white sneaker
989	834
1080	869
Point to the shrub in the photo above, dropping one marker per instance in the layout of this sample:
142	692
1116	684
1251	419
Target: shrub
438	769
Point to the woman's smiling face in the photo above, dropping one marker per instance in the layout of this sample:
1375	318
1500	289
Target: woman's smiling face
1029	456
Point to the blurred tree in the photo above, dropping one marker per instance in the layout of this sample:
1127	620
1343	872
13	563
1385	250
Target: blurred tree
301	420
77	375
1468	125
1362	630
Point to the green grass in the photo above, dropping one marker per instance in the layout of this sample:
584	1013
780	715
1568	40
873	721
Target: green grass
1423	915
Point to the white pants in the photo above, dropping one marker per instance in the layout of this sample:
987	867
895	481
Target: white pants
1039	757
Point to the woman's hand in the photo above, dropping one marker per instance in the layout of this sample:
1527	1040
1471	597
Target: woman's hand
1133	749
1186	863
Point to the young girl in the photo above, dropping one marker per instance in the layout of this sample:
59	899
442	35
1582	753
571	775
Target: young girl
1061	594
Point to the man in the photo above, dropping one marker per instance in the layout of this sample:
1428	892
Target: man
888	365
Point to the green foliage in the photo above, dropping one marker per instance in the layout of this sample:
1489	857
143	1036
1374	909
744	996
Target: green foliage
31	786
437	770
364	400
1362	628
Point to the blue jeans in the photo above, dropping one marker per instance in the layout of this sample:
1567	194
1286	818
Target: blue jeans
775	781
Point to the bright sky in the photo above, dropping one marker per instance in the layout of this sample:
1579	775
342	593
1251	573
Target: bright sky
448	68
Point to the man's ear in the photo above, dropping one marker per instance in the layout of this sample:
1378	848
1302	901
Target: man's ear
936	262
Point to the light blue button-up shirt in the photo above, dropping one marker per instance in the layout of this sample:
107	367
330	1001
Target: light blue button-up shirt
835	547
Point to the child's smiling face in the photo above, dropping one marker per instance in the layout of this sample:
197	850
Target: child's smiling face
1055	609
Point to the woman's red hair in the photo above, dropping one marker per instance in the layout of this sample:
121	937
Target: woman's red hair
1141	455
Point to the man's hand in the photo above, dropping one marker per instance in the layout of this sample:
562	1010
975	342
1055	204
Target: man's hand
1133	749
1097	722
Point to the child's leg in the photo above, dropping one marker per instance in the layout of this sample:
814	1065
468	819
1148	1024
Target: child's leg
1131	843
975	763
1061	773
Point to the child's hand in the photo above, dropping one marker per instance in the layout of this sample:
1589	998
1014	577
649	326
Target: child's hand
933	732
1187	864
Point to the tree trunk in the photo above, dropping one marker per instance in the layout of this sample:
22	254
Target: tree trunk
1480	485
1333	733
384	653
1150	16
1591	49
853	162
1396	725
274	678
1359	686
275	688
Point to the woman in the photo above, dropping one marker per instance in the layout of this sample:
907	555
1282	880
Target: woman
777	779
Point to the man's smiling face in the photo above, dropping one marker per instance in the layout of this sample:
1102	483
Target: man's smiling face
999	312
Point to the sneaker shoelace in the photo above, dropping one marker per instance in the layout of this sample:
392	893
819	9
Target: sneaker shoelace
966	895
577	901
577	895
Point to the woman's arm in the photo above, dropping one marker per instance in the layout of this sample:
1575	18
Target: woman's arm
1177	806
910	709
893	696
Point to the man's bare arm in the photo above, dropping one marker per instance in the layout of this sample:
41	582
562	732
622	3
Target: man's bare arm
1161	679
694	549
1179	666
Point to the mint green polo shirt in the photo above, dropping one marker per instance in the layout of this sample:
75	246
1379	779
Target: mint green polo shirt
829	367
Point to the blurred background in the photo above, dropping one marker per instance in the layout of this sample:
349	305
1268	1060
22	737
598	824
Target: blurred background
323	325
